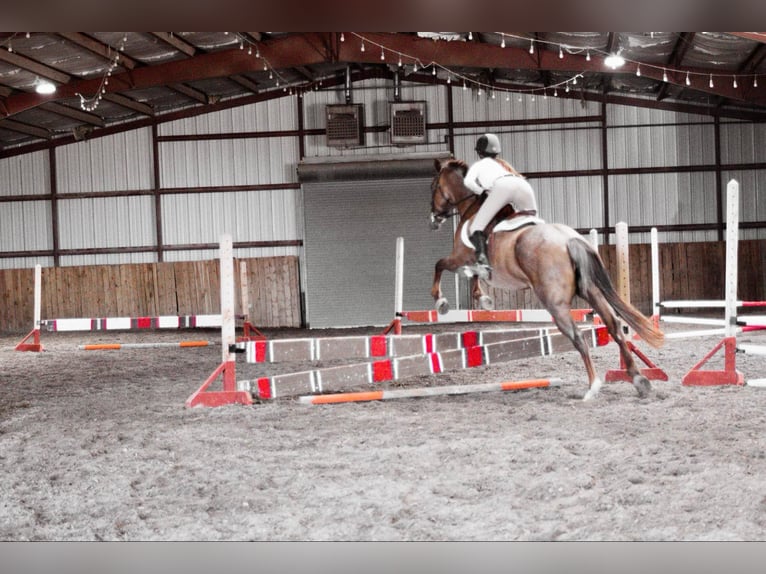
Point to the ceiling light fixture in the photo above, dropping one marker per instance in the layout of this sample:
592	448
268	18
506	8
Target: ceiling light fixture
44	87
614	61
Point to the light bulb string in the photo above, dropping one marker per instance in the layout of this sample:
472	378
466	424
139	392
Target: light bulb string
571	50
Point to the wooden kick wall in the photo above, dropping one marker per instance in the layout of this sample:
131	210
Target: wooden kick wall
151	289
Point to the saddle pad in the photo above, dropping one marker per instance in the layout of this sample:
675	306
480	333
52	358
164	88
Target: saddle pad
506	225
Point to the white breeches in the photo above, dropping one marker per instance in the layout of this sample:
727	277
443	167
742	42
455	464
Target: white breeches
509	190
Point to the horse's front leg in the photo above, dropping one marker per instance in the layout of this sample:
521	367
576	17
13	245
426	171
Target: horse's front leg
452	263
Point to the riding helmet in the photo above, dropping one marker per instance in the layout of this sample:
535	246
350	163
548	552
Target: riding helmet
488	145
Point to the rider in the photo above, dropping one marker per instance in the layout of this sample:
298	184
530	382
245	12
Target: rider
504	186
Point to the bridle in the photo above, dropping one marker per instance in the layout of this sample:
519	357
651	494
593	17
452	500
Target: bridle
452	206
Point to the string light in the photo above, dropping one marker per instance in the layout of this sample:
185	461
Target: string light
342	37
711	81
90	104
612	60
734	84
382	55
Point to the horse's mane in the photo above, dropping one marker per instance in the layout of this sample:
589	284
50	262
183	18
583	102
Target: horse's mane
458	164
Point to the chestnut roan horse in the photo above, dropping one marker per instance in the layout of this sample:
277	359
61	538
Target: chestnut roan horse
552	259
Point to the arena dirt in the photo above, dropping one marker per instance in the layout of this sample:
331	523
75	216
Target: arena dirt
99	446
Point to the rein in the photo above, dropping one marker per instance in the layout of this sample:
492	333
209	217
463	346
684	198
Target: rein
455	204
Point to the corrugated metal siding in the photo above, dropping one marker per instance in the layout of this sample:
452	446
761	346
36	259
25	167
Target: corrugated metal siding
743	142
574	201
661	146
261	215
539	150
119	162
663	199
106	222
25	175
272	115
228	162
351	231
752	198
107	259
25	226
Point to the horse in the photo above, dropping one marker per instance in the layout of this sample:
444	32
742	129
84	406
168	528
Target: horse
550	258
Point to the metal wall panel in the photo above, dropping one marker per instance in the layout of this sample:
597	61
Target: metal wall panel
752	198
471	106
119	162
106	222
25	226
661	146
25	262
262	215
272	115
662	198
574	201
107	259
743	142
228	162
25	174
536	150
617	115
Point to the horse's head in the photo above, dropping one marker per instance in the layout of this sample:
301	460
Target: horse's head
447	190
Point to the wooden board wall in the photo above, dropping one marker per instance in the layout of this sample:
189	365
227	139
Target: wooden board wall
150	289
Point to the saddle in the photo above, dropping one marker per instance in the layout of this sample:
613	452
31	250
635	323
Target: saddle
503	222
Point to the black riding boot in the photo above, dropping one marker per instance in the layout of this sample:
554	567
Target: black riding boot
479	241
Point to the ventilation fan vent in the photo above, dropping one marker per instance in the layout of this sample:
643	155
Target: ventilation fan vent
345	127
408	122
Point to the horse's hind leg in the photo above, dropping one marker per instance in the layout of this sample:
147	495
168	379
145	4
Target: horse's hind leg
600	305
484	301
563	320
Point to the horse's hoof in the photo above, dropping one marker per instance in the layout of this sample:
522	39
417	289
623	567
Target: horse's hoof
486	303
442	305
643	386
592	391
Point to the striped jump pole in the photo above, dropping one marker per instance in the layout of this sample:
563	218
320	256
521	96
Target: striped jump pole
376	346
385	395
340	378
226	371
119	346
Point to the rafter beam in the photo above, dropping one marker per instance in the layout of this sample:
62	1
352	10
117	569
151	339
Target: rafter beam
175	42
190	92
245	82
26	129
682	46
79	115
97	48
126	102
33	66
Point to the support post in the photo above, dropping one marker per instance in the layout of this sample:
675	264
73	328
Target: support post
34	334
396	324
729	375
226	371
655	277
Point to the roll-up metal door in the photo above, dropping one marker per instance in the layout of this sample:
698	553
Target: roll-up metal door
350	247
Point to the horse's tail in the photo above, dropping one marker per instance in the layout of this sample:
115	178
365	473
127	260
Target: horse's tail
591	273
